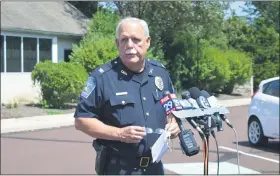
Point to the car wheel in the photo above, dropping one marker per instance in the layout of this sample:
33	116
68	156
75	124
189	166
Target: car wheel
255	133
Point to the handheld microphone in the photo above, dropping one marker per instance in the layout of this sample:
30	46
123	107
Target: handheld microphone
207	119
187	96
216	115
187	142
214	100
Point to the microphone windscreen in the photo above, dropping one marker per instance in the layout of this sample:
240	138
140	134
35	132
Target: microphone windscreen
186	95
195	92
205	93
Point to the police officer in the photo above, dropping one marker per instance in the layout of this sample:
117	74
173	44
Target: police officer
121	100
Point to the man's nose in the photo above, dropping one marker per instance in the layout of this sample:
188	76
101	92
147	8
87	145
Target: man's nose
130	43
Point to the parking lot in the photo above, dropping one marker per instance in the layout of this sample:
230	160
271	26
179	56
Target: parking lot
67	151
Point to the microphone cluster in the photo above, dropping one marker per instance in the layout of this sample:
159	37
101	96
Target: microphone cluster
202	108
203	113
199	109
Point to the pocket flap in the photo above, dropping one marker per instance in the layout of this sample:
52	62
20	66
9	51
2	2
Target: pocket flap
121	100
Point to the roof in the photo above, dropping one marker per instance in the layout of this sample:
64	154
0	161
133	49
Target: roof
52	17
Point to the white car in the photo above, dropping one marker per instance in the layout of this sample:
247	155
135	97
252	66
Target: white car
263	121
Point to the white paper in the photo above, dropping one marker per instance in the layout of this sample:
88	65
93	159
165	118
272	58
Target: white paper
160	147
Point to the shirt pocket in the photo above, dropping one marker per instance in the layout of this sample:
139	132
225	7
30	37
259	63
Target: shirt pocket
124	105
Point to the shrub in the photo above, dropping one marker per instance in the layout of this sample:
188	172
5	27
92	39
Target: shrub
98	46
240	69
214	69
60	82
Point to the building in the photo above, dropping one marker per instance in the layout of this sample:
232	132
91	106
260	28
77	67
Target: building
32	32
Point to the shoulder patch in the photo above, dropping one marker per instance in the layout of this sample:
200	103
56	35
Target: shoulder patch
90	86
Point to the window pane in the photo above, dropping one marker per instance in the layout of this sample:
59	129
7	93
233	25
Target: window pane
13	54
45	46
29	53
2	53
265	86
275	88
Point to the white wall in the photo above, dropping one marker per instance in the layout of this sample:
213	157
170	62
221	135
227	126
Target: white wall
64	44
18	87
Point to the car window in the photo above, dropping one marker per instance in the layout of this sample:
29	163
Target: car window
273	89
265	86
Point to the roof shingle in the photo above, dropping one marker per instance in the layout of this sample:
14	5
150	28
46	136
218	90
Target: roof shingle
50	16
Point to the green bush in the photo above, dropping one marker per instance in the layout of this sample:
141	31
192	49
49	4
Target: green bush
94	51
240	69
214	69
98	46
60	82
265	71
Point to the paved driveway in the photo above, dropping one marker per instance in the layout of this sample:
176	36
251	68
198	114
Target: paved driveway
67	151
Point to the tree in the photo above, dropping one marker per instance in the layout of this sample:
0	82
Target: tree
88	8
269	10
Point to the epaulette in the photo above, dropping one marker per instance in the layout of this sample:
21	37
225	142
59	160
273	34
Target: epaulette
98	71
156	63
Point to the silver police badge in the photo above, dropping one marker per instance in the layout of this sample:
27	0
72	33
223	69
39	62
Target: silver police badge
159	82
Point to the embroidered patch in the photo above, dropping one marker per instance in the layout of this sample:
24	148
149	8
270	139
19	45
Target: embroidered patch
159	82
90	86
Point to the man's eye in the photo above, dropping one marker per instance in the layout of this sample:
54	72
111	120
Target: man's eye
136	40
124	40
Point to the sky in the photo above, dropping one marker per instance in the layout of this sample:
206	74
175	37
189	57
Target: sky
237	6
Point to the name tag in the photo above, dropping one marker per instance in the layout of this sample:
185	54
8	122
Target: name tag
121	93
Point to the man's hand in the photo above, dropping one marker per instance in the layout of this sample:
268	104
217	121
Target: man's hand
132	134
173	128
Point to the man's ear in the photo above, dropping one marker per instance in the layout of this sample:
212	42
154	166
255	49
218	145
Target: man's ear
148	42
117	42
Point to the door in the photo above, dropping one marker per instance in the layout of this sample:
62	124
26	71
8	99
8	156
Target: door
271	109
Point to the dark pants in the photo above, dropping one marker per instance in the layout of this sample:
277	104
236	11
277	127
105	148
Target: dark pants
131	166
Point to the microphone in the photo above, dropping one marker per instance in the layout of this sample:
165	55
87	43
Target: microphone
216	115
201	101
206	120
213	102
187	142
187	96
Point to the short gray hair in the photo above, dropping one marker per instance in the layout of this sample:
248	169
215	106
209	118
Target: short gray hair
142	22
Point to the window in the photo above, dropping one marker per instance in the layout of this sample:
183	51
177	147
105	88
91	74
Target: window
13	54
265	86
45	50
2	53
273	89
23	53
29	53
67	53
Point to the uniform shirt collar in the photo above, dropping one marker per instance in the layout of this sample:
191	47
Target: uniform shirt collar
125	73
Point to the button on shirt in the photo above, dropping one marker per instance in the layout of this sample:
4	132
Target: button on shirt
117	97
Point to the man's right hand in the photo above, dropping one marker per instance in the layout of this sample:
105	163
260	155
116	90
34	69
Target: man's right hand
132	134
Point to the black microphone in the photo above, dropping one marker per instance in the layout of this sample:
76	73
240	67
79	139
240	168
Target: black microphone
201	101
187	142
187	96
222	116
206	120
216	115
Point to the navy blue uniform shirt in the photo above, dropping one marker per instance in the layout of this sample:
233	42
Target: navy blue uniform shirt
117	97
